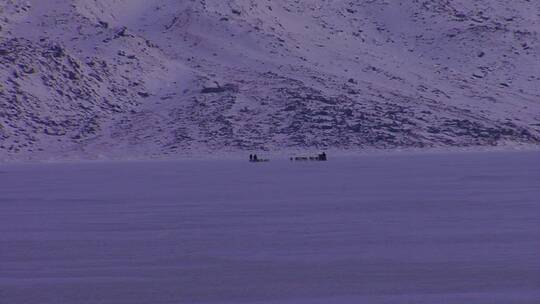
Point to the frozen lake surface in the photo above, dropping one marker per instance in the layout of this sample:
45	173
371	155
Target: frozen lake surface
426	228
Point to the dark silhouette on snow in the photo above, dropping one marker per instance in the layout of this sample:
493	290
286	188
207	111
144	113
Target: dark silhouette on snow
255	159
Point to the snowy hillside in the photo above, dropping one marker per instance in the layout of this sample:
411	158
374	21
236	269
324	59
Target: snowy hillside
167	77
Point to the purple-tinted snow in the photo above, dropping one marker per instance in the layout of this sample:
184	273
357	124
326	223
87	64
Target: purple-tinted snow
83	79
430	228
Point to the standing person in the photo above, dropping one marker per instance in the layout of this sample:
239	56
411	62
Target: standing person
251	157
255	159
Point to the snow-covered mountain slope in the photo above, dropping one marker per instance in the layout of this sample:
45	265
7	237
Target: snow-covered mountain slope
166	77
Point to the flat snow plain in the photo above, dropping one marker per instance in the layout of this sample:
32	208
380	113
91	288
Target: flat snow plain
425	228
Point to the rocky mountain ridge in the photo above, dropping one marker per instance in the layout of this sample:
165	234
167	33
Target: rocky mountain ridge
162	78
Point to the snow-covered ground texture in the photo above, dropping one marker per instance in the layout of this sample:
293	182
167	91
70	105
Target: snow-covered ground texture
393	229
166	77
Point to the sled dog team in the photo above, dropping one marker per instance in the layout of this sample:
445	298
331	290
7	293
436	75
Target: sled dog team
253	158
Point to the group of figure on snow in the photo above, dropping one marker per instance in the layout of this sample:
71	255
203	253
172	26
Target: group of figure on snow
320	157
255	159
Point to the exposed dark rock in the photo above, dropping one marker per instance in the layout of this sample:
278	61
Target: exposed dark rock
221	89
103	24
57	51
